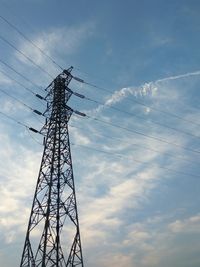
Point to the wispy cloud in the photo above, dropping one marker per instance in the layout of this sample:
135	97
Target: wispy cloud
156	241
107	190
191	225
149	88
4	80
57	43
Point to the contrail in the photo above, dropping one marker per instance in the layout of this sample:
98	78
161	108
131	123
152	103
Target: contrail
144	89
189	74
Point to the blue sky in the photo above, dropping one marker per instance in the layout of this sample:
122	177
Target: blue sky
145	213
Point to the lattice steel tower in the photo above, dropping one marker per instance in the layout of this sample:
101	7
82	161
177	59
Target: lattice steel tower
53	225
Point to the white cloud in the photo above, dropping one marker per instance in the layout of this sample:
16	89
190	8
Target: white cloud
103	214
155	242
145	89
18	177
56	43
113	187
187	225
116	260
108	189
79	137
4	80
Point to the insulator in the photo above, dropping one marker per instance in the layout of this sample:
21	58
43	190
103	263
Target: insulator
33	130
37	112
66	72
69	90
78	79
48	86
79	113
39	96
79	95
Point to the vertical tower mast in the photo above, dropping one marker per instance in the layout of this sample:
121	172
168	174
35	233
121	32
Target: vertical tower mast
54	204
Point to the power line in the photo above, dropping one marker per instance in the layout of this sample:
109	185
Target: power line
19	122
30	41
164	112
24	104
14	13
138	145
11	118
28	89
142	134
135	160
89	74
97	150
108	91
137	116
39	97
34	139
161	140
140	103
90	84
87	83
117	109
24	77
31	27
24	55
16	99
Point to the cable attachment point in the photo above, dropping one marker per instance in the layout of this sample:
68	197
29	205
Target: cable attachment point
79	113
33	130
79	95
68	71
78	79
37	112
74	93
40	97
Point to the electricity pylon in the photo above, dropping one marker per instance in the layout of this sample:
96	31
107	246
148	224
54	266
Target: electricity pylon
54	217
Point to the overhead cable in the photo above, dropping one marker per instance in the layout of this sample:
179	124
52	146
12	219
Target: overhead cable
11	78
16	99
24	55
24	104
20	123
135	160
30	41
137	116
172	155
139	103
24	77
142	134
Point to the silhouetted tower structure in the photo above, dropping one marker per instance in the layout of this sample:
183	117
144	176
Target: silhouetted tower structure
54	218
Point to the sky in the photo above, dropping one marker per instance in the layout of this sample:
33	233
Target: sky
137	169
